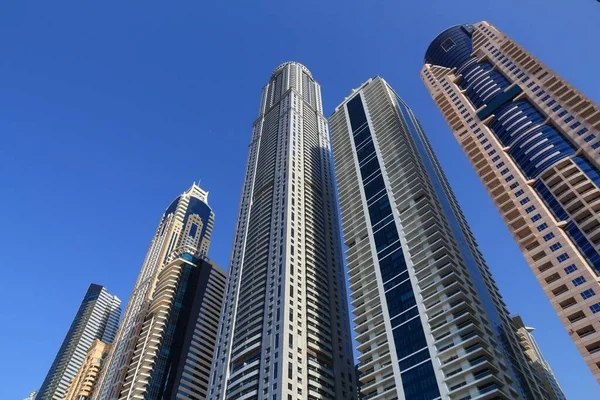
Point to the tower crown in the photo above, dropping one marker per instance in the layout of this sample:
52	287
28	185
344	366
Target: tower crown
282	66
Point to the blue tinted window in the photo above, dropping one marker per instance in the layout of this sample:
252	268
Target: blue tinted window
400	299
536	217
595	308
548	236
379	210
530	209
419	383
562	257
542	227
578	281
374	186
586	294
409	338
392	265
386	236
555	246
356	112
571	268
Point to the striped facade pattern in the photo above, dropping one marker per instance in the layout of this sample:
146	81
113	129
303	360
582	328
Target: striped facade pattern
186	224
97	318
285	332
534	141
154	339
429	319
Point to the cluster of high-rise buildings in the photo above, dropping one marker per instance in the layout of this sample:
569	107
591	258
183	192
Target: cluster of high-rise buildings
429	320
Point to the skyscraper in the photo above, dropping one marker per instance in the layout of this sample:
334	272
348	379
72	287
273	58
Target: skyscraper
430	321
186	225
284	332
173	354
97	318
82	385
533	139
32	395
537	360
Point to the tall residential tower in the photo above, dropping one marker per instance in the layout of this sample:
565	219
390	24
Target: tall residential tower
534	141
430	320
186	226
285	332
97	318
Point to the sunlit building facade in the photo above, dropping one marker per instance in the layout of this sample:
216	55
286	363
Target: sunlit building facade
429	319
186	226
97	318
534	141
536	359
82	385
285	331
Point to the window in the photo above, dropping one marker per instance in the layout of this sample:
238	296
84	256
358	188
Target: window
524	201
571	118
509	178
448	44
586	294
519	193
495	158
555	246
562	257
595	308
504	171
578	281
500	165
575	125
548	236
570	269
536	217
492	152
582	131
562	113
542	227
514	185
589	138
487	147
530	209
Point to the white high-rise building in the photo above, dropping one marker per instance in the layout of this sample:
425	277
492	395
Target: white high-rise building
430	320
284	331
186	226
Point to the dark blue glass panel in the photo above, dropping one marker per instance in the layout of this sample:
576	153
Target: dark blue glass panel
414	359
386	236
368	168
392	265
400	299
550	201
419	383
356	112
584	246
379	210
409	338
374	186
402	318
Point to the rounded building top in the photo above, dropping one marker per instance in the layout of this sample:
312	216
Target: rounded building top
281	66
451	47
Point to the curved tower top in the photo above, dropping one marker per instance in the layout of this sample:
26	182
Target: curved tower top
281	66
452	47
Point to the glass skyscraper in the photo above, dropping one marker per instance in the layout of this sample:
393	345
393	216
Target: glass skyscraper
97	318
430	321
534	141
185	227
285	332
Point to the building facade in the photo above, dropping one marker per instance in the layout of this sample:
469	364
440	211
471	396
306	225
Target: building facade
537	360
97	318
82	385
285	332
173	355
429	319
32	395
186	225
534	141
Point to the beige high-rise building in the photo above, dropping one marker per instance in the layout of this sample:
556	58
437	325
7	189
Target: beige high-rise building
82	385
534	141
536	359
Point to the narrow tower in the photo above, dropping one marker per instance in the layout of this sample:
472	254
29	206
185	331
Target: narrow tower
430	321
186	226
533	140
284	331
97	318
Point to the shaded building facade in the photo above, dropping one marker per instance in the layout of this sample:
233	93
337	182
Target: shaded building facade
82	385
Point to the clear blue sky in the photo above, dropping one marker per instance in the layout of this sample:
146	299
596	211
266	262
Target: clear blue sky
109	109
